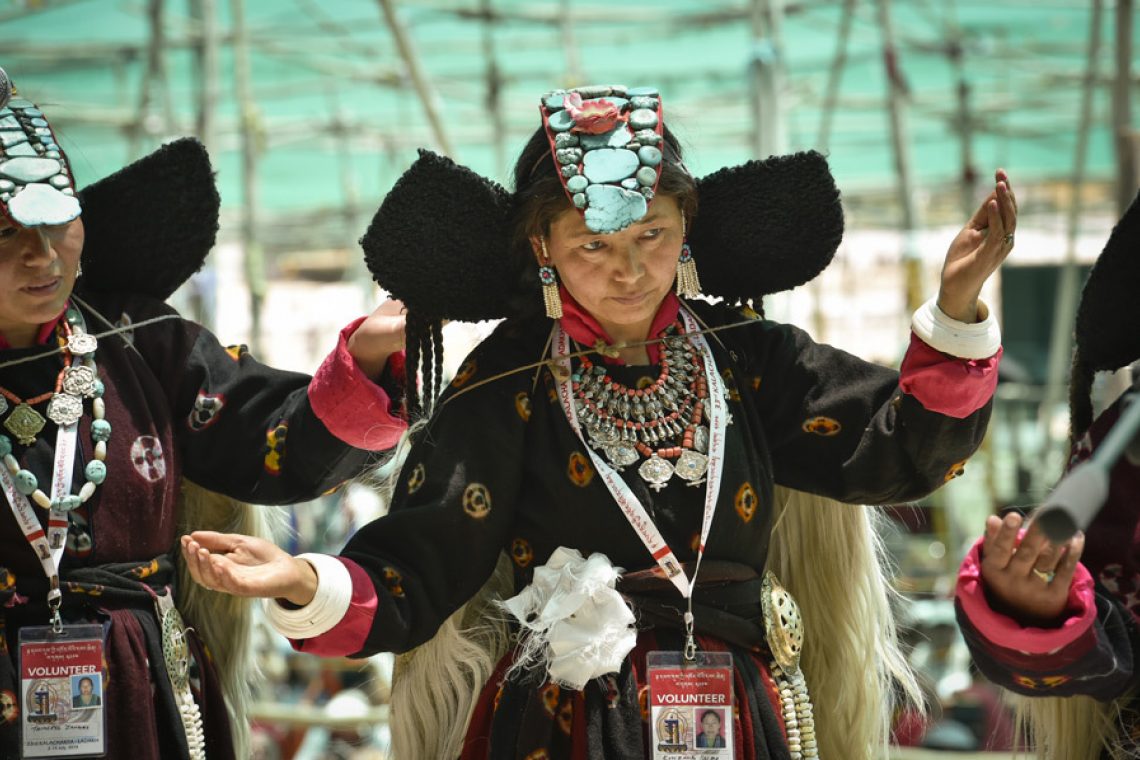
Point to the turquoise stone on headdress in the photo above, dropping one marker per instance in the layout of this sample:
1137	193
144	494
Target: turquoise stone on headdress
610	209
42	205
606	144
36	186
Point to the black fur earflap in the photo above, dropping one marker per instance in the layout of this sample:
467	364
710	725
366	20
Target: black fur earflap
765	226
439	242
1106	338
150	225
1106	335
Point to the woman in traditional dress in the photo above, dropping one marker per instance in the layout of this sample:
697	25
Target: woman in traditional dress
109	401
635	461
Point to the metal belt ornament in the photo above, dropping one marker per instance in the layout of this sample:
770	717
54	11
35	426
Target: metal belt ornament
628	502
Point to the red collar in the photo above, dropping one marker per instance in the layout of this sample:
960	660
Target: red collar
47	329
580	325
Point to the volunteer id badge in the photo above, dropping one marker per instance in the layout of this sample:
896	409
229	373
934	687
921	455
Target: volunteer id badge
690	706
61	691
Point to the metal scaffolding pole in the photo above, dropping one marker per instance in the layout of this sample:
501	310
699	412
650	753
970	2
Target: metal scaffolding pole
1123	133
834	75
253	254
153	76
494	91
205	16
767	78
900	145
1060	341
569	45
428	97
956	52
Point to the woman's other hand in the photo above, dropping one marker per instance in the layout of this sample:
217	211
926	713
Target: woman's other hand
1031	578
247	566
977	251
379	336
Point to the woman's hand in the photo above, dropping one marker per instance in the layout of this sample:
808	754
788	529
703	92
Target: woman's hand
977	251
378	337
247	566
1031	578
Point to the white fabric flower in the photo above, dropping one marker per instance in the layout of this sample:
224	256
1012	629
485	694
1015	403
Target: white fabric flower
573	620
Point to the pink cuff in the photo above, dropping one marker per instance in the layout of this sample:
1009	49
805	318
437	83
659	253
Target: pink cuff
945	384
348	636
353	408
1005	632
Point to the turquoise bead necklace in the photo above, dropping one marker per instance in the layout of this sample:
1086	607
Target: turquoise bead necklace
66	407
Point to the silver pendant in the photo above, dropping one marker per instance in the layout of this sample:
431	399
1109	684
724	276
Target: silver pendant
603	434
79	381
65	409
82	344
701	439
621	455
691	466
656	472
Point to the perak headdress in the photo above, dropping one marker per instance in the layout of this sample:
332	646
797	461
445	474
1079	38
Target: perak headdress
148	226
440	240
36	186
606	143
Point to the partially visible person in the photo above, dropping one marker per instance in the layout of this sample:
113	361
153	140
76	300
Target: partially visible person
111	404
1060	624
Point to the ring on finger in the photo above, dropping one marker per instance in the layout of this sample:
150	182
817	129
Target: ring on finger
1008	238
1045	575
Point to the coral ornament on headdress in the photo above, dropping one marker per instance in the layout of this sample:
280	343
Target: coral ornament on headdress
36	186
607	146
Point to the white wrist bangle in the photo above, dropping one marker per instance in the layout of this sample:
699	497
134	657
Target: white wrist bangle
979	340
327	608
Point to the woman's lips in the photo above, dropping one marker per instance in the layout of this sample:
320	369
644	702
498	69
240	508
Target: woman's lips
631	300
46	288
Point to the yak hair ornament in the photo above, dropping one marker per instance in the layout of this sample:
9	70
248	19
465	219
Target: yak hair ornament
547	275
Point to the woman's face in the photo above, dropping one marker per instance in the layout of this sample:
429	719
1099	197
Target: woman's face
620	278
711	724
37	272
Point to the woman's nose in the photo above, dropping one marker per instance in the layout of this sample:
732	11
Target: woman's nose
629	262
36	247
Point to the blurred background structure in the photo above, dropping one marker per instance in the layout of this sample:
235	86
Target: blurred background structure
312	109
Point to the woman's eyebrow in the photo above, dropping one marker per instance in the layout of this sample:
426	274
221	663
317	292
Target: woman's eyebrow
585	232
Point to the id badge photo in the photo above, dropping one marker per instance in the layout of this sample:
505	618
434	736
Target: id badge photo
690	706
62	700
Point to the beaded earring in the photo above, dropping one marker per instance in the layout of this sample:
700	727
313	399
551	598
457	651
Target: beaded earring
549	279
688	283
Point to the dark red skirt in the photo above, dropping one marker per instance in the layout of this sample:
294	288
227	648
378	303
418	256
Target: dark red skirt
524	719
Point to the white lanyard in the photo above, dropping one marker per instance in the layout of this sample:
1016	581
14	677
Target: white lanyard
48	547
627	501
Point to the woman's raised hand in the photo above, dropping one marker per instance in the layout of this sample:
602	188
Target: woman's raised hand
247	566
977	251
1030	577
379	336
